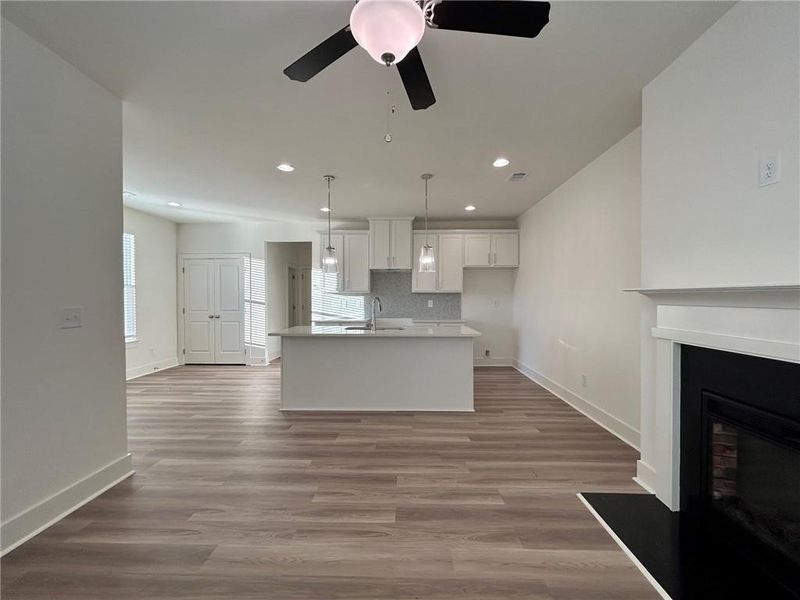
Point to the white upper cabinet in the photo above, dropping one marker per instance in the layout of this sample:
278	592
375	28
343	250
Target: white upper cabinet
477	250
491	249
449	275
450	262
390	244
352	252
505	249
356	263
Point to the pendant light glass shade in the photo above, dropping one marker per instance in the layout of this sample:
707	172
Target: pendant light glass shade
427	260
330	264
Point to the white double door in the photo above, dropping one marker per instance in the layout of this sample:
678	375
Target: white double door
213	290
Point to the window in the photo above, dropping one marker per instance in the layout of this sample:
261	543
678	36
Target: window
255	305
328	303
129	285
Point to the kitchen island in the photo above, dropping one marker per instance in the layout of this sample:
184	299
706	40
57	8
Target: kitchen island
409	368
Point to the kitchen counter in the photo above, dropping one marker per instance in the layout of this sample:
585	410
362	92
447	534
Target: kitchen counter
403	367
413	331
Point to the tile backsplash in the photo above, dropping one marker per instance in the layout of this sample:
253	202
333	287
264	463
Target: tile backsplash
394	290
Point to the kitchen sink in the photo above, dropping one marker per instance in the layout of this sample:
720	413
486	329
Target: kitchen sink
364	328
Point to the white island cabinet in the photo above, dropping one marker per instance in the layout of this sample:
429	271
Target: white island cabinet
413	368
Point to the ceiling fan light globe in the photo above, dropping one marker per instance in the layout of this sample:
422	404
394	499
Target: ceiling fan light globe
387	27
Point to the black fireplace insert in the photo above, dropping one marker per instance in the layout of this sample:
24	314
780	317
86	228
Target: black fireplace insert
740	457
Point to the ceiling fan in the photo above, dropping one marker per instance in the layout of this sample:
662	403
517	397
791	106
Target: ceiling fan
389	30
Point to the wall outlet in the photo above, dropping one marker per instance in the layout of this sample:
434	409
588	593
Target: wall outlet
769	171
430	303
71	317
584	381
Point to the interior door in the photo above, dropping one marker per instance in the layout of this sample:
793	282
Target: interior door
199	322
305	297
450	259
229	311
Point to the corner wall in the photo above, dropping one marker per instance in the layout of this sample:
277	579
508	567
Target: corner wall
156	285
64	436
579	247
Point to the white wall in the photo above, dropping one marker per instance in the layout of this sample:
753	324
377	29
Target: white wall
156	284
731	99
279	257
63	390
579	247
245	238
487	305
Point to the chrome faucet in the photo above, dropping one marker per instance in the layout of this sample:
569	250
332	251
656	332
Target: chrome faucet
372	324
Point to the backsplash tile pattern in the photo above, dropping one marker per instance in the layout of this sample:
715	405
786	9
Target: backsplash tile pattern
394	290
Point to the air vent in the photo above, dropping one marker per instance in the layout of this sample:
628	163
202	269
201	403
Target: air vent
518	176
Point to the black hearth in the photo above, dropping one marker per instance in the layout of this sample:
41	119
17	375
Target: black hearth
740	457
737	535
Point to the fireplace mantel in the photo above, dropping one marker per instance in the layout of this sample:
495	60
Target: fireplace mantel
759	320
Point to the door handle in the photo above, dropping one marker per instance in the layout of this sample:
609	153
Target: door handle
216	316
210	316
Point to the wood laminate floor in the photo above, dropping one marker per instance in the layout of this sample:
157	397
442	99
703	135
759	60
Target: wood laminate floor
233	499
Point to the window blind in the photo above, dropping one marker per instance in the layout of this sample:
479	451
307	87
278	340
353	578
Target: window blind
129	285
255	294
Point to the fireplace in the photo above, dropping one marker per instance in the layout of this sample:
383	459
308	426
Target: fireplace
740	457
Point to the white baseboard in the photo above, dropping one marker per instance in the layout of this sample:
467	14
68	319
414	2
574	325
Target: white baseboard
167	363
32	521
650	579
645	476
606	420
493	361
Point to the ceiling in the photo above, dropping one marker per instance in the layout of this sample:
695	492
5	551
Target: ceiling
208	113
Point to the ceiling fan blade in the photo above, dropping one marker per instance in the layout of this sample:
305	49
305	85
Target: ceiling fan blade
328	52
519	18
415	80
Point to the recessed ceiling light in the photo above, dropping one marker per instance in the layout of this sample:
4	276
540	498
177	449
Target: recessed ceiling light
469	207
500	162
174	204
285	167
325	209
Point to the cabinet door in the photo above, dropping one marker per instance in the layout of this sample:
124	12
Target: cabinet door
505	249
423	282
477	250
401	244
332	282
229	312
356	262
199	309
449	263
380	242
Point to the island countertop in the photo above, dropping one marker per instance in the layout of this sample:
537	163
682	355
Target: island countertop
412	331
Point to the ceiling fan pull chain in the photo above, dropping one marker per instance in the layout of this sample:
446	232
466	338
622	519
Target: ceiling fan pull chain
390	110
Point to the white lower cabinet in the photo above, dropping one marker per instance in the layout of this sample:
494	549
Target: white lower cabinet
449	274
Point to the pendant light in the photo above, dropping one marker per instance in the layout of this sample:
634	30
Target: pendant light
427	261
330	264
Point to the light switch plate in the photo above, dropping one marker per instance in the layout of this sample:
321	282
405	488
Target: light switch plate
430	303
769	171
71	317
